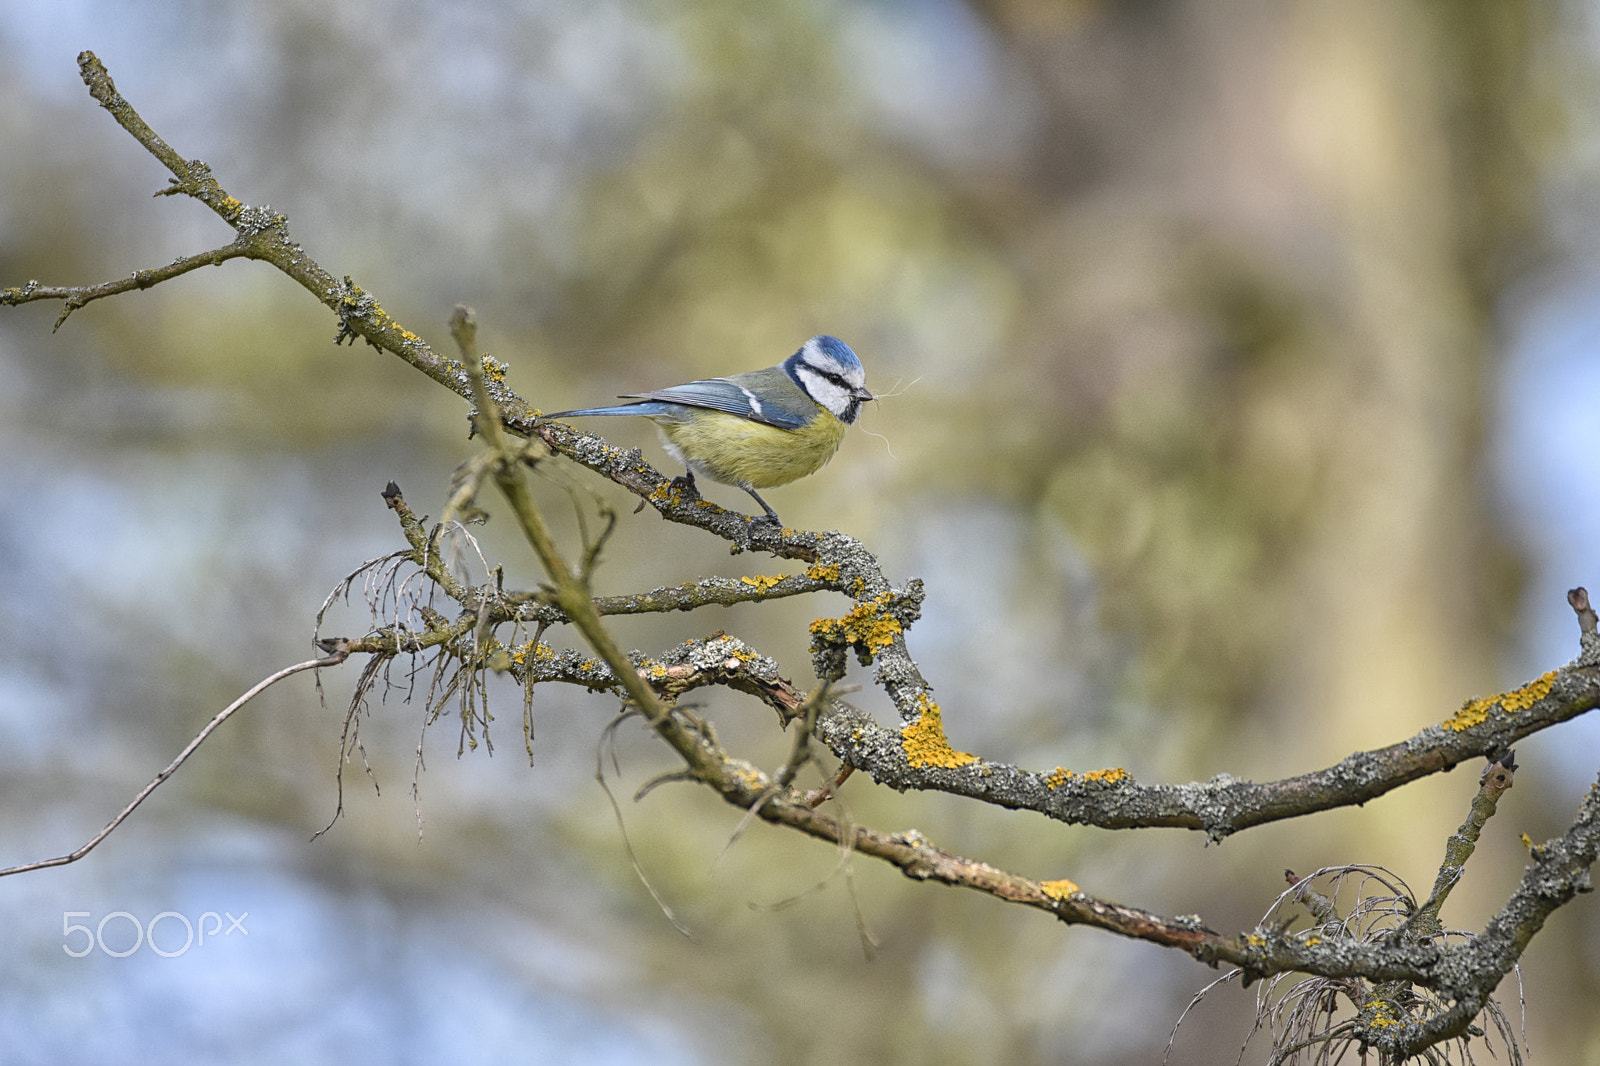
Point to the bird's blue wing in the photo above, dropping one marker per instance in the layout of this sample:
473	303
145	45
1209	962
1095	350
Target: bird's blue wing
727	394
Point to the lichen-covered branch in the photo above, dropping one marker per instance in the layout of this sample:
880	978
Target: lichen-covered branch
1112	799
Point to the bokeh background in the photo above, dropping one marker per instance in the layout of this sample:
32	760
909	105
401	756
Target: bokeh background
1239	413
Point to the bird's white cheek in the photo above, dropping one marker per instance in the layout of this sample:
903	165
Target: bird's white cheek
825	392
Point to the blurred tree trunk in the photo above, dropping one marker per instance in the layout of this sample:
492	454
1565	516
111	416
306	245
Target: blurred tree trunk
1265	241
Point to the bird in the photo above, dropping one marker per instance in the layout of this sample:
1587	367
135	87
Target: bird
757	429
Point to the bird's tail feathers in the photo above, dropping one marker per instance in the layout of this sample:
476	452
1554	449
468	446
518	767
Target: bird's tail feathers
646	409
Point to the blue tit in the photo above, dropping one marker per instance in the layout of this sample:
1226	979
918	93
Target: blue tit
760	428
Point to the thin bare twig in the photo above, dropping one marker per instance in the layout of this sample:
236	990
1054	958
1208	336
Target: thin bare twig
608	735
222	716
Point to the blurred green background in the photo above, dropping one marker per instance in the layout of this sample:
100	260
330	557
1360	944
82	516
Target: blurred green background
1237	410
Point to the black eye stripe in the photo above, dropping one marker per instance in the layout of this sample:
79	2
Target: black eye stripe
829	376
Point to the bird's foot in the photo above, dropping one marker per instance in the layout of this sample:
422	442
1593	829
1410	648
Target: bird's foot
684	485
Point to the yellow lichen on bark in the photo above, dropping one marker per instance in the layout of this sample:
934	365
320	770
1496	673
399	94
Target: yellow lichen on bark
1474	712
925	742
1058	777
1382	1016
867	625
1529	694
530	650
752	778
1059	889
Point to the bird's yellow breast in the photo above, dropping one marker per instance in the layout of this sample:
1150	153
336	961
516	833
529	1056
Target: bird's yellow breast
737	451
